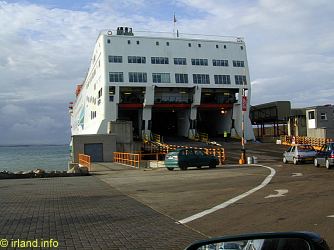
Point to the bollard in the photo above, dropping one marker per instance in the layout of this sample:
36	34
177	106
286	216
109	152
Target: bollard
250	160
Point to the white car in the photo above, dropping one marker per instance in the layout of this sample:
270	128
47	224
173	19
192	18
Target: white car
299	153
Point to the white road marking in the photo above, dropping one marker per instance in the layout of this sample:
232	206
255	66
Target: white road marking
330	216
233	200
280	193
296	174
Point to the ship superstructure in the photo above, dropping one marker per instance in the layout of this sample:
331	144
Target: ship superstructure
165	85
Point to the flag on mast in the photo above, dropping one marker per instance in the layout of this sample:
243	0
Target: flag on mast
174	22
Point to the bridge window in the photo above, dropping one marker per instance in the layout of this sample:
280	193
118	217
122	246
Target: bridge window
180	61
223	63
159	60
116	77
136	59
201	79
238	64
137	77
240	80
203	62
181	78
115	59
222	79
161	77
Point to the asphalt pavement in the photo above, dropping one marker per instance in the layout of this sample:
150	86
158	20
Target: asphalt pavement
120	207
298	198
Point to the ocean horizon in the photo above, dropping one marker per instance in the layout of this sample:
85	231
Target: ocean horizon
27	157
29	145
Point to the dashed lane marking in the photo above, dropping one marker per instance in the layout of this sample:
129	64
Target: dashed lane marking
296	174
330	216
233	200
280	193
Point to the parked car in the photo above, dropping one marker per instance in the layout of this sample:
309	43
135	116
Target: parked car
187	157
260	241
299	153
325	156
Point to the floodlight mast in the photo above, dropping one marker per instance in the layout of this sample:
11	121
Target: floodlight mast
242	159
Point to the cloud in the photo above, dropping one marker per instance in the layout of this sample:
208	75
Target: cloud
34	122
45	51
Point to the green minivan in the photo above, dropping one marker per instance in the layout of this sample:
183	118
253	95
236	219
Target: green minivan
184	158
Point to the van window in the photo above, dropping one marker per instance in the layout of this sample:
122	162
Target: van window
172	154
305	148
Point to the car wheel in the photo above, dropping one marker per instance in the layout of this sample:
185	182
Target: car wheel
284	160
328	166
170	169
295	161
316	164
183	167
212	165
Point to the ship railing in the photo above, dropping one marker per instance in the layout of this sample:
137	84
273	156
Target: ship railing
180	35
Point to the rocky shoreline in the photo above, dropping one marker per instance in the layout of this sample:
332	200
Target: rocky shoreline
40	173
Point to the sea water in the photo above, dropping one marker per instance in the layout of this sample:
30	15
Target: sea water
30	157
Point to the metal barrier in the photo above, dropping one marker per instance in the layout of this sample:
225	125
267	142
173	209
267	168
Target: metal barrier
127	159
84	160
219	152
156	138
146	138
196	137
216	151
134	159
156	146
203	137
315	142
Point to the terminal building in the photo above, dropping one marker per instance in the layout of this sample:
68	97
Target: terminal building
172	86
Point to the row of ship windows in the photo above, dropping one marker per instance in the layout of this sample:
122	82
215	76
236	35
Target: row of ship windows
141	77
199	45
177	61
92	115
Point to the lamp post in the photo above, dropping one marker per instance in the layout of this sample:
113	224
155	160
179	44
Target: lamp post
242	159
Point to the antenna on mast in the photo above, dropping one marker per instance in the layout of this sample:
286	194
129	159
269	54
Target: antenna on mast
174	22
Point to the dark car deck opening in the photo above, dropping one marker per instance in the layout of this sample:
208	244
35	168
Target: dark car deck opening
164	121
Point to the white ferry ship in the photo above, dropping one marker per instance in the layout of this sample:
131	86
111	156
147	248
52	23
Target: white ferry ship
167	84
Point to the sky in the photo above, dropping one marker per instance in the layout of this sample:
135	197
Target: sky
46	46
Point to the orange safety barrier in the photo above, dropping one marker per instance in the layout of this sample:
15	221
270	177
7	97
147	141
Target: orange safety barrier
156	138
219	152
315	142
165	148
127	159
84	160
